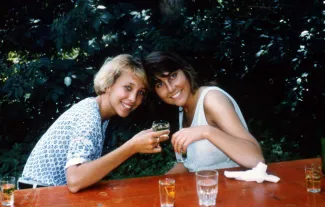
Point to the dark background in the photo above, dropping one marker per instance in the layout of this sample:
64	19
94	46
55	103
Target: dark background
269	55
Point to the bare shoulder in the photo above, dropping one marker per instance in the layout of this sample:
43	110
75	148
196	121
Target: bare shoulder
215	99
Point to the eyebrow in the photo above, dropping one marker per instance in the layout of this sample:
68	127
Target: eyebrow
161	76
144	88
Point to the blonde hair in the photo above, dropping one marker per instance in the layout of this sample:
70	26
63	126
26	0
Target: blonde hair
112	69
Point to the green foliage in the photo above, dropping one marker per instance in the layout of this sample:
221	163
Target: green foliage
145	164
276	151
267	54
12	160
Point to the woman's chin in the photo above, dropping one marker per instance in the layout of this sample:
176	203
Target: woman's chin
177	103
124	114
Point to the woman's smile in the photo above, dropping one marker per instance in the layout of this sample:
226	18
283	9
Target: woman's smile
173	88
176	95
127	106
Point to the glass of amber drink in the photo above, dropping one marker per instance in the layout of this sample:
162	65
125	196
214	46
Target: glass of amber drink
313	176
167	192
8	185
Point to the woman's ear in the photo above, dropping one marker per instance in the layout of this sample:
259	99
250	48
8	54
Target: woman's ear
108	90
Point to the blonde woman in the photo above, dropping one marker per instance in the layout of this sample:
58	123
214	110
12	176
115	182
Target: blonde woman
69	151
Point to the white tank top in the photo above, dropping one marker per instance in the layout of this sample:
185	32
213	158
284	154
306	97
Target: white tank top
202	154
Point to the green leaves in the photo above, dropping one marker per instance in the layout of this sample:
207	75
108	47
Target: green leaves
105	17
18	92
13	160
269	58
96	24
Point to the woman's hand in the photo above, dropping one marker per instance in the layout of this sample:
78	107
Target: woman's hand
147	141
83	175
186	136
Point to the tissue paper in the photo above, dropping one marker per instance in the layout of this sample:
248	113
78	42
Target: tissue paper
257	174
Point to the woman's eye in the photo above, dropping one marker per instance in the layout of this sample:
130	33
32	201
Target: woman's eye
159	84
142	93
173	76
128	88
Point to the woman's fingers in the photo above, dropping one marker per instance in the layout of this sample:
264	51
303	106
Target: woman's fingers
157	137
148	140
163	137
160	136
180	144
153	150
161	133
174	137
178	141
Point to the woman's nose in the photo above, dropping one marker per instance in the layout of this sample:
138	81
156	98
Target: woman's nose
133	97
170	87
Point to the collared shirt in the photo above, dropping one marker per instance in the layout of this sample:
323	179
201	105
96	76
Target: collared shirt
77	136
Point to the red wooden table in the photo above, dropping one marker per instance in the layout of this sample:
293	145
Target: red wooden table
290	191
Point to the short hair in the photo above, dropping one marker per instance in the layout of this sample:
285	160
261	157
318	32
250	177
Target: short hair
157	63
112	69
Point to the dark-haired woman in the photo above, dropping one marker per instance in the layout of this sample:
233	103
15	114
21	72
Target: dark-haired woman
212	128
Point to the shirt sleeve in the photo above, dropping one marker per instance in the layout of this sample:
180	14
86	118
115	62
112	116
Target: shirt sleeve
80	150
87	137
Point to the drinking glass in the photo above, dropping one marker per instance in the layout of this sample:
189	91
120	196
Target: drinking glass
160	125
313	178
8	184
163	125
167	192
181	157
207	187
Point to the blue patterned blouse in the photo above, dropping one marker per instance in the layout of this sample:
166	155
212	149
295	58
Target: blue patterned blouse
77	136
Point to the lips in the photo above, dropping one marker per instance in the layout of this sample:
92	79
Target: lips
127	106
176	95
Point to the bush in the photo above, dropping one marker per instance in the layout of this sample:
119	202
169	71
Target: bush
269	59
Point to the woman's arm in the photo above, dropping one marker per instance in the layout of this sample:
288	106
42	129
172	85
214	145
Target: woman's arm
228	133
225	130
83	175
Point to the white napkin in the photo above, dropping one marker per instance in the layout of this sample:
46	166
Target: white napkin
257	174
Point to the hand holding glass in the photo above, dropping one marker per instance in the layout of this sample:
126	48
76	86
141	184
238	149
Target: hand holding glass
181	157
159	126
163	125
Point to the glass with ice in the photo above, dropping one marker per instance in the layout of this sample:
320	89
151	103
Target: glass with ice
207	187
